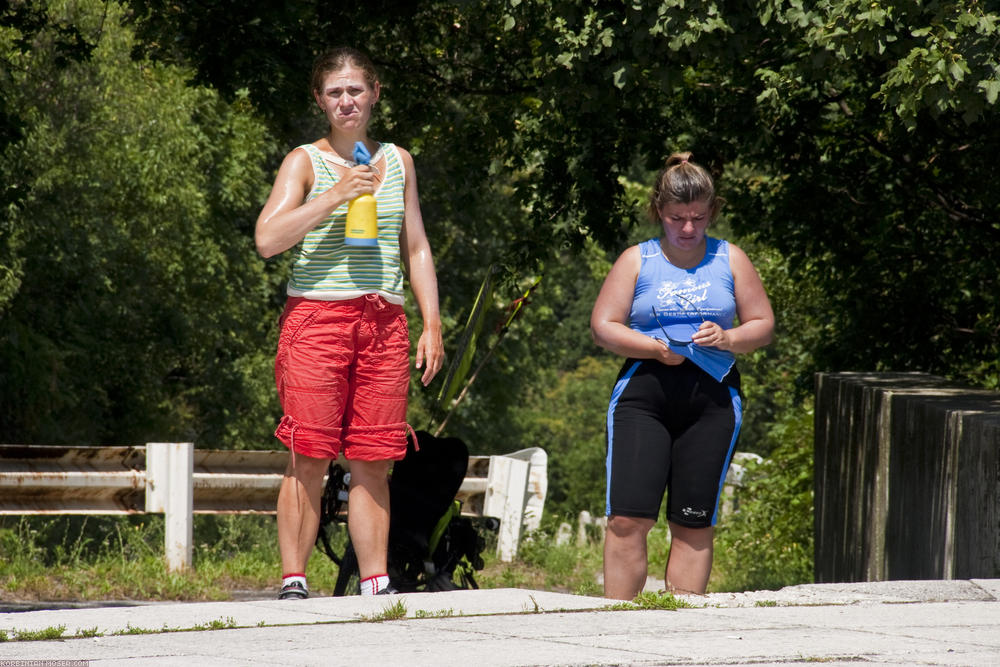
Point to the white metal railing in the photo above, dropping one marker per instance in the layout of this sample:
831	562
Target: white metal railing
177	480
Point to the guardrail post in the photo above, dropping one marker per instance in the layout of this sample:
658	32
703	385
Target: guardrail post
506	493
170	489
157	457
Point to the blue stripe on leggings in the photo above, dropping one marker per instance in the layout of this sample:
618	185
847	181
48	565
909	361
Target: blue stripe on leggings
738	418
616	394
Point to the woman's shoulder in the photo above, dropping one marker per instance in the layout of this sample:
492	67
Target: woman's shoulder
715	244
399	155
641	249
739	261
308	149
631	256
300	159
394	149
723	247
305	153
647	248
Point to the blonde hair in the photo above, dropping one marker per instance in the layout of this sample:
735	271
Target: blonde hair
682	181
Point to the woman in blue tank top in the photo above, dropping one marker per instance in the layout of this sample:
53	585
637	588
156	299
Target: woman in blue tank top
669	306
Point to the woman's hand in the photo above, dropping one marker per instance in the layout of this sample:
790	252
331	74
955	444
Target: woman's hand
415	252
430	353
710	334
667	356
356	181
287	217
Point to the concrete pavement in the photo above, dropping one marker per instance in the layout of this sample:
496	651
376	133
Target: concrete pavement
917	622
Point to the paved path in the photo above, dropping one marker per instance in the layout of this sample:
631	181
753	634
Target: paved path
926	622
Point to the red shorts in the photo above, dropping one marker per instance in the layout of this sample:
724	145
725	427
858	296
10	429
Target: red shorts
343	371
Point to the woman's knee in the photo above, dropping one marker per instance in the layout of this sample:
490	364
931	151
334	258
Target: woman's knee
623	527
370	472
696	539
306	468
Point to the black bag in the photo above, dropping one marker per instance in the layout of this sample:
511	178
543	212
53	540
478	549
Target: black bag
428	538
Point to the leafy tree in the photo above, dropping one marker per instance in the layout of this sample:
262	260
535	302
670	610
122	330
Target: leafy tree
528	114
883	120
142	312
66	45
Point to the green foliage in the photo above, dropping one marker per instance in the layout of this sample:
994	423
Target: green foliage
139	300
441	613
216	624
108	558
542	564
457	373
768	542
133	630
566	415
868	114
880	119
778	377
123	558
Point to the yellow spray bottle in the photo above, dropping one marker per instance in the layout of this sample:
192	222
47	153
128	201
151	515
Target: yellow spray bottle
362	216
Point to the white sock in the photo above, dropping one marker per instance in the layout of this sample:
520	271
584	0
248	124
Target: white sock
292	578
373	585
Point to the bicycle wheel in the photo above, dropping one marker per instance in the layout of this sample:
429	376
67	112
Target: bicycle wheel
348	576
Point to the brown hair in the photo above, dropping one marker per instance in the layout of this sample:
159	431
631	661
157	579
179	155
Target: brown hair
682	181
338	58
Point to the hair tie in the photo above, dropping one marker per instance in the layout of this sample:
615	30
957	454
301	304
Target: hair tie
684	161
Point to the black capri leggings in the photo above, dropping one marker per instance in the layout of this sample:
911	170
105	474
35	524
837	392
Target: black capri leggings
673	429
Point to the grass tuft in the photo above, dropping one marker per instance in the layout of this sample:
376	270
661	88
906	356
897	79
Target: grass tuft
51	632
650	600
218	624
441	613
132	630
393	612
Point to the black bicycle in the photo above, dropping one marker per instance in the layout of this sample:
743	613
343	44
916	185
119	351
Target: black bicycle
432	547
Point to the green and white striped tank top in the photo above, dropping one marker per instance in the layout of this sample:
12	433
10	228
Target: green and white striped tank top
328	269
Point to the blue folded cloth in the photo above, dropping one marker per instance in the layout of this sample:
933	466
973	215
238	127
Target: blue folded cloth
716	363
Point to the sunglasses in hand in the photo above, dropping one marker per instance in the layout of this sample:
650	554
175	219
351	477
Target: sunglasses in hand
670	339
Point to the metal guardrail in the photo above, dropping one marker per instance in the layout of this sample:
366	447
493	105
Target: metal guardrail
37	479
178	480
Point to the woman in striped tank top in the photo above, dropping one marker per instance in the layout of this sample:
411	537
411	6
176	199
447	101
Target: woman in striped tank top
342	364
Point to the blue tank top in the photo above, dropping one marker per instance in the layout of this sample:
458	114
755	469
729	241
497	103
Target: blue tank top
678	300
